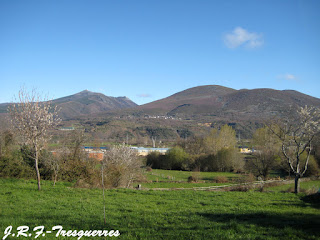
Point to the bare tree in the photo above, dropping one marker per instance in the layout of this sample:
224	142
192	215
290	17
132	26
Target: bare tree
53	162
296	135
74	142
32	117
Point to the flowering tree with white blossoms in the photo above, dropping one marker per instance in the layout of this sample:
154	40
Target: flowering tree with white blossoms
296	134
32	117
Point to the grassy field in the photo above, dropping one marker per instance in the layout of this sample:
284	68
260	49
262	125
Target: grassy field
179	179
159	214
165	175
304	186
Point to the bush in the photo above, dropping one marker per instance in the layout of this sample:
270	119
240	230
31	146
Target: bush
84	173
176	159
13	165
313	168
221	179
155	160
122	167
225	160
242	188
248	178
192	179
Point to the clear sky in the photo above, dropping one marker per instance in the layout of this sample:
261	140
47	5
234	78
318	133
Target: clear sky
147	50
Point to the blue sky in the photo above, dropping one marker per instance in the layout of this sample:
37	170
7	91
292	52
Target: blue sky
148	50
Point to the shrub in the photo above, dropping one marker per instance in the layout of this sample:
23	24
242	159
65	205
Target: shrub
225	160
13	165
192	179
176	159
122	167
155	160
84	173
248	178
313	168
242	188
221	179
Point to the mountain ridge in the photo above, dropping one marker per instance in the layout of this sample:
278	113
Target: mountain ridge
221	101
90	103
212	100
85	103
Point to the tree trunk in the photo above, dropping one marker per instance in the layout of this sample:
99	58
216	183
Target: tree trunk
104	199
37	169
297	184
55	178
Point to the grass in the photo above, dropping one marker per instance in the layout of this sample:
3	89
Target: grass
159	178
166	175
159	214
179	185
304	186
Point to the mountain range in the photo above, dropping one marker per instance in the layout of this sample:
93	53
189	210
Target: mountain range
210	100
228	103
90	103
85	103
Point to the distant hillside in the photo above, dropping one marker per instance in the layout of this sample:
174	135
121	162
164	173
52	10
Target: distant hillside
90	103
85	103
228	103
191	112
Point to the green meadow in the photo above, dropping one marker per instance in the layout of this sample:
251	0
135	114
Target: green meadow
150	214
158	178
167	175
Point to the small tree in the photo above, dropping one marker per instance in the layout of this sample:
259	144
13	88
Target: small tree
176	159
121	166
53	163
32	117
217	140
296	135
266	153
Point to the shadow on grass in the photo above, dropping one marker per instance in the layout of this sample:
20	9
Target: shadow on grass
313	199
307	223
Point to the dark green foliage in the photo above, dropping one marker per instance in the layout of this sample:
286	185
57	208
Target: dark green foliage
226	160
313	168
27	153
156	160
161	133
175	159
13	165
184	133
193	146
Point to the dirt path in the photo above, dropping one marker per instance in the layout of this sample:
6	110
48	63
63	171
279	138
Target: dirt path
229	187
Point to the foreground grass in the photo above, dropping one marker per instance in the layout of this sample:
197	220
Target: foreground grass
159	214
